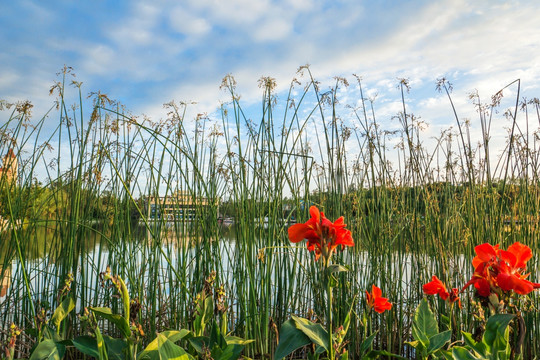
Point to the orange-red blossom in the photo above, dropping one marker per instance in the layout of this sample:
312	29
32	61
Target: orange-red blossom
496	270
323	236
376	301
437	287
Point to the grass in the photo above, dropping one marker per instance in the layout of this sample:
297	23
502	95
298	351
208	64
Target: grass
420	215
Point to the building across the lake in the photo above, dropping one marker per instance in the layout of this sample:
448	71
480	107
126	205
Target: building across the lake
181	205
8	171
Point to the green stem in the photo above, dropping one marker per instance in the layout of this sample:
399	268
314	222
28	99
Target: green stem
329	316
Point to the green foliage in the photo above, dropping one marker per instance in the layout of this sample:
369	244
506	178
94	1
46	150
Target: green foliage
494	344
62	311
425	331
48	349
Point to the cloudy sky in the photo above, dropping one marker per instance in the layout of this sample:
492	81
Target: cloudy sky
146	53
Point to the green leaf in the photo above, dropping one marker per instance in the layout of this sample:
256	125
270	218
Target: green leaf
102	347
422	341
315	332
374	354
48	349
469	341
49	334
461	353
164	347
290	339
425	320
344	356
336	268
437	341
235	340
446	321
366	344
205	311
347	321
231	352
115	347
444	354
87	345
62	311
116	319
496	337
216	338
198	342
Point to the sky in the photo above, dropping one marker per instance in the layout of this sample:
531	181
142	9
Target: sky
145	54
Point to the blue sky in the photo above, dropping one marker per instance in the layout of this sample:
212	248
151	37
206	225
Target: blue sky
145	54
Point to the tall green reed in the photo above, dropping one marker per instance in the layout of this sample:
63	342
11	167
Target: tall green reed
418	215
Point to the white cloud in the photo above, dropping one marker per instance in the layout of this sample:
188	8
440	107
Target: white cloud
188	23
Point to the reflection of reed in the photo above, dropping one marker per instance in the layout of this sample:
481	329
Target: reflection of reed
6	281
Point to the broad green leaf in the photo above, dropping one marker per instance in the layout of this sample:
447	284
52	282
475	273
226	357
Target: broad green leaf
496	337
290	339
461	353
62	311
163	347
469	341
231	352
48	349
444	355
198	342
421	339
437	341
115	347
344	356
216	352
315	332
116	319
87	345
49	333
235	340
216	338
425	320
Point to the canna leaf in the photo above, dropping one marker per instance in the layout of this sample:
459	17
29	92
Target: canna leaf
315	332
120	322
48	349
62	311
290	339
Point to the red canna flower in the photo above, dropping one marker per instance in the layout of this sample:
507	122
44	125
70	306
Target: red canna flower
436	287
376	301
512	263
498	270
323	236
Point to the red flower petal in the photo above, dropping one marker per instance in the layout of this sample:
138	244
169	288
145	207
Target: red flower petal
486	252
509	282
376	301
522	253
297	232
436	287
315	213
